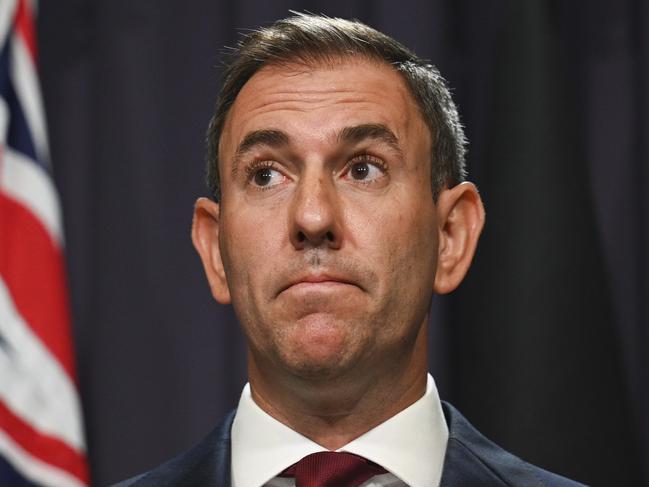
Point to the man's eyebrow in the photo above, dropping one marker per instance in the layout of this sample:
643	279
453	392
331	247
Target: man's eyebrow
266	137
376	131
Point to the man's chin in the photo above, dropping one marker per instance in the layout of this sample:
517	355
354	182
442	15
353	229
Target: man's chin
317	346
317	370
320	354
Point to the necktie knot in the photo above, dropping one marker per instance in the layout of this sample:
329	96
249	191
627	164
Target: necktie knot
332	469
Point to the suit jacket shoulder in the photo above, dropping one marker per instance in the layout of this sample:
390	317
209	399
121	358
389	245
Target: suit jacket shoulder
473	460
206	464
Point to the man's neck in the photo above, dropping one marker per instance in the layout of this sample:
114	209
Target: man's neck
333	412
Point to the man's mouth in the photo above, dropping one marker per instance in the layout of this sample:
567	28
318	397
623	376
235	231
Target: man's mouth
318	281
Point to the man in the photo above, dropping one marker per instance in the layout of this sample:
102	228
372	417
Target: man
336	164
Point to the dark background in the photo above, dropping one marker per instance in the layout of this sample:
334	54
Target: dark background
544	347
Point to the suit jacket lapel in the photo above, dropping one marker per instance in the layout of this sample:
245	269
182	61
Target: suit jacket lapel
462	465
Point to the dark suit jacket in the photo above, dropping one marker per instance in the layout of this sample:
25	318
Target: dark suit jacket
471	460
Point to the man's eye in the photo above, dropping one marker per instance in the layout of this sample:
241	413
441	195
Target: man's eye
265	177
365	171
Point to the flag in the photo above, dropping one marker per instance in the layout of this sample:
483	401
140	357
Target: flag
41	434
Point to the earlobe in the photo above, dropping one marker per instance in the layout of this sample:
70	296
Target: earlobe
461	218
205	237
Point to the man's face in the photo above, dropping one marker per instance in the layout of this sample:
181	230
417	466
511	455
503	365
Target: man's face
327	228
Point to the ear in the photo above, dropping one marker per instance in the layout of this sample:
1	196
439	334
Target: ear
461	218
205	236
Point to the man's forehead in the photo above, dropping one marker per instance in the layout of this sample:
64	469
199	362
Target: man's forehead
318	81
333	95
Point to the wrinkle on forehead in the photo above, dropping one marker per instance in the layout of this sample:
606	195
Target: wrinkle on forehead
314	99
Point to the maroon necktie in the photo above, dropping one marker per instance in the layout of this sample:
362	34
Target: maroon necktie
332	469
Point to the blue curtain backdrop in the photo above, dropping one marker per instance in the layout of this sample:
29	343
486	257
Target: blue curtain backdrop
544	347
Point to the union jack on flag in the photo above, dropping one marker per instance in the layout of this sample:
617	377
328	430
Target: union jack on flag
41	434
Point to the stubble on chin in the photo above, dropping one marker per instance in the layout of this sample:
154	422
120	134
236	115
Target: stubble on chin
317	347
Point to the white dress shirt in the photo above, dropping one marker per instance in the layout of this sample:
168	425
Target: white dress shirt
410	445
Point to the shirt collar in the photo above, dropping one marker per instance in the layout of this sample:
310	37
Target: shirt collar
411	444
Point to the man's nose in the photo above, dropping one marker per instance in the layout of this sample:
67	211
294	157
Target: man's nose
315	214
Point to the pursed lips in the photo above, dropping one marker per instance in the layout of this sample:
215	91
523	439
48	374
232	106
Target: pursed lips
320	281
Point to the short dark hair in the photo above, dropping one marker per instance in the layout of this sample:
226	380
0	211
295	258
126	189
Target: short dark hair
308	39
